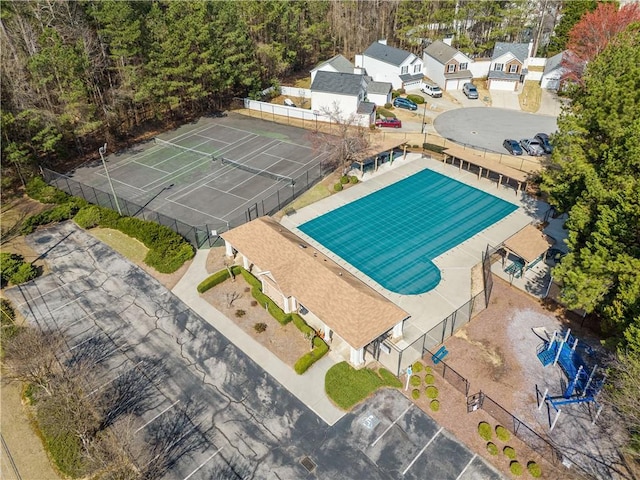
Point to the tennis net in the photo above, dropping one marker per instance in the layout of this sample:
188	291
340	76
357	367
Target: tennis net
256	171
165	143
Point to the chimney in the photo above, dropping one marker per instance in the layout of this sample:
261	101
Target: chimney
383	41
448	39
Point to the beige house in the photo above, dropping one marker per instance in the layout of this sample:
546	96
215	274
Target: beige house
300	279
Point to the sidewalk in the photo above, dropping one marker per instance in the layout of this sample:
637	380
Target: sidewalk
308	388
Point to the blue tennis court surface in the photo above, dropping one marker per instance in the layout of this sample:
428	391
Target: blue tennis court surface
393	235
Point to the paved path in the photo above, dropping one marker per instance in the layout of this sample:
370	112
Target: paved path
308	388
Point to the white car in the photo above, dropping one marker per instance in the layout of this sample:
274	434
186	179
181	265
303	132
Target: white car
432	90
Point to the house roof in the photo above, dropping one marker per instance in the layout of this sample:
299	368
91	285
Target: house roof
409	77
366	108
340	63
518	50
459	74
440	51
387	54
348	306
380	88
529	243
501	75
336	82
553	63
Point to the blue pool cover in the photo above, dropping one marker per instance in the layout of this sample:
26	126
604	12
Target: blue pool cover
393	235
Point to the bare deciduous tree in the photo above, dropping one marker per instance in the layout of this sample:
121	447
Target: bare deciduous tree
232	297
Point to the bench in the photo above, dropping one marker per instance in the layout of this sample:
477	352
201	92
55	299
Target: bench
439	355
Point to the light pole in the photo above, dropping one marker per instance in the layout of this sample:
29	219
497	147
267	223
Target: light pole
102	151
424	116
316	113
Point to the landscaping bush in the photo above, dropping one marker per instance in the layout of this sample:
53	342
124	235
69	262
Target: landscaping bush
353	179
95	216
515	468
509	452
417	367
304	362
301	325
39	190
254	303
417	99
389	378
435	405
344	179
7	319
240	313
387	106
260	327
485	431
415	381
428	370
395	94
433	147
492	448
402	91
213	280
14	269
25	272
249	278
502	433
415	393
431	391
62	212
428	379
534	469
347	386
338	187
383	112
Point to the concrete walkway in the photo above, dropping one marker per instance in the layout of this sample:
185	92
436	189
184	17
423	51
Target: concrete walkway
308	388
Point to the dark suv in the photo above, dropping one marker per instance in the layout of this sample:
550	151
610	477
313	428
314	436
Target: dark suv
400	102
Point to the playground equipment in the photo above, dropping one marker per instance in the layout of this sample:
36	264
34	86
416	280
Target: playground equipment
584	382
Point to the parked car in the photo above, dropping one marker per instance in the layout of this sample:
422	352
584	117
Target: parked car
470	90
401	102
432	90
543	138
388	122
532	147
512	146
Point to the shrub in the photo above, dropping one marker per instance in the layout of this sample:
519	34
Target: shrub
240	313
249	278
344	179
389	379
428	369
435	405
93	216
213	280
431	391
304	362
289	211
337	187
25	272
428	379
534	469
492	448
59	213
417	367
386	113
14	269
353	179
7	319
415	380
254	303
515	468
485	431
301	325
402	91
502	433
415	393
433	147
395	94
39	190
388	105
509	452
417	99
260	327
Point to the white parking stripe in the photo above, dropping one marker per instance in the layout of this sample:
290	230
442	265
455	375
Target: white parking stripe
467	466
389	427
163	411
421	451
203	464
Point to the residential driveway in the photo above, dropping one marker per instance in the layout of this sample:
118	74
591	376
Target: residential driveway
487	127
550	104
504	99
234	417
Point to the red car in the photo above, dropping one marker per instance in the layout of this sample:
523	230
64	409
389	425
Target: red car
388	122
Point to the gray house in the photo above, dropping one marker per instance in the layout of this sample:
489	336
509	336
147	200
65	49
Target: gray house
389	64
508	65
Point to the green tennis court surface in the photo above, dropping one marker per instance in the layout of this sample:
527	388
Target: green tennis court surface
393	235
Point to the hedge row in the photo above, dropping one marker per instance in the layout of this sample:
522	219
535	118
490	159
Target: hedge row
304	362
39	190
14	269
213	280
60	213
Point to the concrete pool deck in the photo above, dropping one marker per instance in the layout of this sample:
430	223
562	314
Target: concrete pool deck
454	290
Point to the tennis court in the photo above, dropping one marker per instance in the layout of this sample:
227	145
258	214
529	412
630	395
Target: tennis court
218	172
393	234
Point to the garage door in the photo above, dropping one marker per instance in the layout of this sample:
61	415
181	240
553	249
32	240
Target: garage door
550	84
453	84
502	85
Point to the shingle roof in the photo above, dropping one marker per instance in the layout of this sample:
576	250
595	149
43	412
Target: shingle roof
340	83
529	243
380	88
408	77
441	51
459	74
348	306
519	50
553	63
387	54
501	75
340	63
366	108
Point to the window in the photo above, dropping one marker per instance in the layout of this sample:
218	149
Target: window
417	68
463	66
498	67
451	68
513	68
405	69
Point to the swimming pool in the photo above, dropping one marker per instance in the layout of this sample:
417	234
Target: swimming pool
393	234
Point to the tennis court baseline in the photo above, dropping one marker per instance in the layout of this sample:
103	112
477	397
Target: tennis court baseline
393	234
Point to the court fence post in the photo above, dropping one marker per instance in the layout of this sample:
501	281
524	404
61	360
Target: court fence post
278	196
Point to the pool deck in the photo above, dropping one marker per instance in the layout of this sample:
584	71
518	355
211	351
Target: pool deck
454	290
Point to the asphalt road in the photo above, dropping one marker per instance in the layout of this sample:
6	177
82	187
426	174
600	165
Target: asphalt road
226	417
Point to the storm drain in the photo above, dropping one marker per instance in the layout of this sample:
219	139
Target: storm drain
308	464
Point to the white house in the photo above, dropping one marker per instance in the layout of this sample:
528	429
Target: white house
447	66
553	72
337	64
379	92
346	92
389	64
508	65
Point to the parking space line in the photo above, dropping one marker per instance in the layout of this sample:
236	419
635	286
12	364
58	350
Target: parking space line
113	379
203	464
467	466
392	424
165	410
421	451
68	303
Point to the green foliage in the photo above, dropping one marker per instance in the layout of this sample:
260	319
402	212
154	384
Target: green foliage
431	392
415	381
417	367
394	94
428	379
93	216
516	468
389	378
534	469
344	179
249	278
401	91
39	190
509	452
301	325
14	269
572	11
353	180
428	370
433	148
485	431
59	213
260	327
347	386
502	433
338	187
417	99
434	405
64	447
387	106
385	112
492	448
319	350
415	393
7	319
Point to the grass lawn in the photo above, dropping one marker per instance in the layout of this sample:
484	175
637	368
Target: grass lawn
347	386
530	97
129	247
